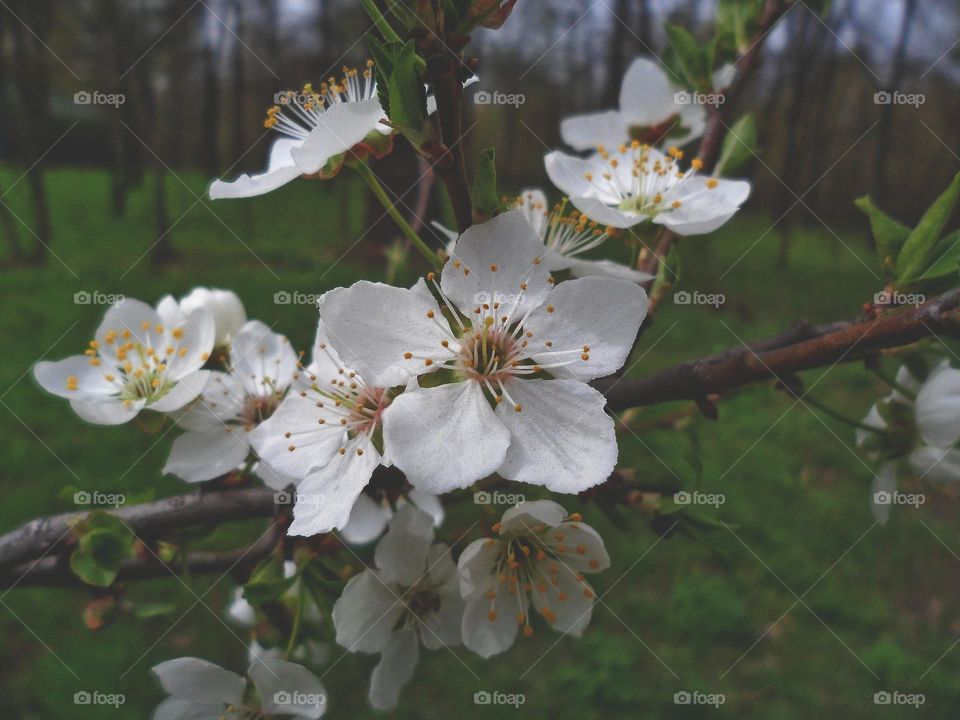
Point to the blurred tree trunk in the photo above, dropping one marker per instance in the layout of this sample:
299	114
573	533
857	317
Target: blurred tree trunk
33	88
238	94
212	41
617	49
886	111
116	56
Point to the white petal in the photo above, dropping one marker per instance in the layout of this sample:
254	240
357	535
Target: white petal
128	315
601	314
271	478
936	464
326	496
527	515
314	443
586	132
170	311
200	456
201	681
178	708
445	437
572	612
288	689
187	388
490	626
222	400
490	263
365	614
372	325
477	567
884	482
280	170
401	554
368	520
262	359
703	209
601	212
229	315
90	381
107	412
429	503
240	611
339	128
535	207
938	407
606	268
561	439
646	95
199	333
569	174
585	548
395	669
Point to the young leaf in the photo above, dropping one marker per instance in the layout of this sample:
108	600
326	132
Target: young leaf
267	582
739	146
690	56
484	191
888	234
104	543
919	246
946	265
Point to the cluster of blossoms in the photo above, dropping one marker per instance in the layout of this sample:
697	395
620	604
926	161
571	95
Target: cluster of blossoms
913	431
482	368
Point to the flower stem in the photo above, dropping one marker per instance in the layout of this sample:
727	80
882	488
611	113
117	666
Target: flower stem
380	21
298	615
906	392
830	412
371	179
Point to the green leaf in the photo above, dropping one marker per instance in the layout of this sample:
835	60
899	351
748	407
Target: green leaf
948	263
919	246
692	57
267	582
484	190
888	234
104	542
145	611
735	21
407	97
739	146
383	57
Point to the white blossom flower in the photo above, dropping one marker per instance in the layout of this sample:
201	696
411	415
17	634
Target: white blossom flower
261	367
648	112
919	424
538	558
322	435
635	182
201	690
565	236
516	354
227	309
369	518
136	360
317	126
411	598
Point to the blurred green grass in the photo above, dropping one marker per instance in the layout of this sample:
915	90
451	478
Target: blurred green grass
679	615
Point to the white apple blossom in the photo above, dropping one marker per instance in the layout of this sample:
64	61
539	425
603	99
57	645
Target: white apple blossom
565	236
516	354
635	182
137	360
322	435
317	125
648	112
538	558
369	518
227	309
261	365
919	427
201	690
411	598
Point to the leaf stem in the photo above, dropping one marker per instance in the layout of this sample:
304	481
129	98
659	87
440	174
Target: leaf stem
371	179
298	615
389	34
